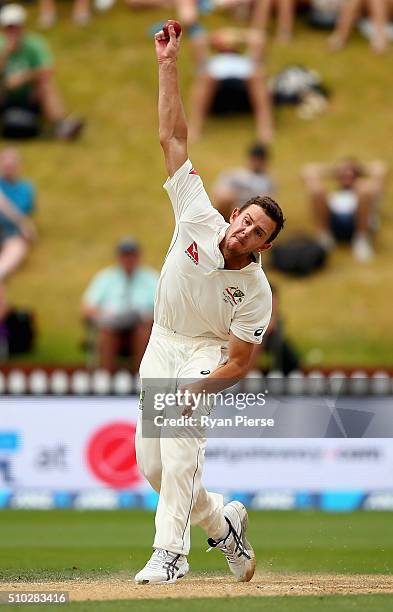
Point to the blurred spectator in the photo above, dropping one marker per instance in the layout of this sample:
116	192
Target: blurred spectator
230	81
150	4
187	10
236	186
3	325
239	9
28	74
323	14
276	351
17	202
3	305
119	303
350	211
285	11
47	13
351	11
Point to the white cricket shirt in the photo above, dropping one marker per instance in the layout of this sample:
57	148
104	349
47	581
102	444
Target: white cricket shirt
196	296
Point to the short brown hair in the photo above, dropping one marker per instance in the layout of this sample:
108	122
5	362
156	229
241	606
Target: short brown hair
271	208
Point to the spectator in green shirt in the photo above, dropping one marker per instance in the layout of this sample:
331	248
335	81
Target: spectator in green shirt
27	71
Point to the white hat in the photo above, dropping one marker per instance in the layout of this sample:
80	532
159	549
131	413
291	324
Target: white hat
12	15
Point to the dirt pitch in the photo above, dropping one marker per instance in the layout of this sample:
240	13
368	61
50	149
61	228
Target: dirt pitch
197	587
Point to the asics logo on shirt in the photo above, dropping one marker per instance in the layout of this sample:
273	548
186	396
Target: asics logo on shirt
192	253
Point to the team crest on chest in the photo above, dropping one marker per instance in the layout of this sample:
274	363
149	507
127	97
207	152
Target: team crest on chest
192	252
233	295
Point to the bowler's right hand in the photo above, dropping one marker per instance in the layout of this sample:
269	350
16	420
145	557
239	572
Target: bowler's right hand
167	50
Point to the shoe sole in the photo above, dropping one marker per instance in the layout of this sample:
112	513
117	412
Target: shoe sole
172	581
252	562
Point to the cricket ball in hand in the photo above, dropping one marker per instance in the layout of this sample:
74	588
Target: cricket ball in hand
175	24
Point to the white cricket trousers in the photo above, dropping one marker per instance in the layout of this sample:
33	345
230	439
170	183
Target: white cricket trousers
173	465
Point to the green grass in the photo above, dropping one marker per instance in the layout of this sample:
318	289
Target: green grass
109	183
333	603
64	544
60	545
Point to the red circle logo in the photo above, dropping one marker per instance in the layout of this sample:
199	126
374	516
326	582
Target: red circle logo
111	455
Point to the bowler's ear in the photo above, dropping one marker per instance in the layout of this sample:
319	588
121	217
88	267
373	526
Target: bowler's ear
234	214
265	247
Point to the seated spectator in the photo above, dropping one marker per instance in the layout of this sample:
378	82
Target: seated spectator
276	351
149	4
3	305
119	304
239	9
323	14
47	13
348	212
236	186
285	10
187	10
350	12
229	81
28	74
3	326
17	202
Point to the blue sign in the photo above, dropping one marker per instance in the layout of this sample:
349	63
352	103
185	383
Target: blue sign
9	441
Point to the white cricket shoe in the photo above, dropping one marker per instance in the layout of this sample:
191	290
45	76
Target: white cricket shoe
235	546
163	567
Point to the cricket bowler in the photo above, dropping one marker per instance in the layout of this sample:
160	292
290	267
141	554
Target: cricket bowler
213	303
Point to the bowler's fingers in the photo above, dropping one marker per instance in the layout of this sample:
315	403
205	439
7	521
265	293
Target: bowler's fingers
160	36
172	34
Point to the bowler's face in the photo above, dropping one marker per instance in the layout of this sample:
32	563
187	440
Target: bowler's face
249	231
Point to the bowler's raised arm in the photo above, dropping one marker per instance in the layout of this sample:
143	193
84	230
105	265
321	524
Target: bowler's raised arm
172	119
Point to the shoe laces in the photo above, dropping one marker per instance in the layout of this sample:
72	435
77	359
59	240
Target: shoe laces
163	558
158	558
233	551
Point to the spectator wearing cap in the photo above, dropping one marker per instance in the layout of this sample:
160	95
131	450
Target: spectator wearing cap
236	186
28	73
17	203
119	304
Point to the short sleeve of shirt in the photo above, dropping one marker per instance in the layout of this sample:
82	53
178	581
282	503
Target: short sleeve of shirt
252	318
97	290
188	196
27	197
31	197
39	54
